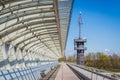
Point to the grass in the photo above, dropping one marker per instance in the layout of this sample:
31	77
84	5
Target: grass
113	70
109	69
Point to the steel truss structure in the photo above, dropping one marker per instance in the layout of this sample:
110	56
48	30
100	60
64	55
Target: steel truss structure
32	30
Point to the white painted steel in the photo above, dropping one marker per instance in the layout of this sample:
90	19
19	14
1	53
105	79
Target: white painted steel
32	30
28	73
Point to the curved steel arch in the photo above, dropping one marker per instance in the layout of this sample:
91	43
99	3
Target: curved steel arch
27	32
28	16
26	20
43	42
54	33
17	44
22	14
34	41
24	26
26	5
46	46
38	46
42	47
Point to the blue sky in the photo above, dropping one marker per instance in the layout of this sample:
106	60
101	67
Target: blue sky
101	25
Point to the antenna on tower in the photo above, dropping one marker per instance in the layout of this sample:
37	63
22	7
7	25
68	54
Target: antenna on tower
80	23
79	44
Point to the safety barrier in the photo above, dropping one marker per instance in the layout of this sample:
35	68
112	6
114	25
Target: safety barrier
88	74
27	73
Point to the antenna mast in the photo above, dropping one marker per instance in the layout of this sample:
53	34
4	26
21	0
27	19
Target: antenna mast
80	23
79	44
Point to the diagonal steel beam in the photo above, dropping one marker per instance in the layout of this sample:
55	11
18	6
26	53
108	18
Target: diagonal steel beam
33	37
11	30
27	32
22	14
33	43
24	6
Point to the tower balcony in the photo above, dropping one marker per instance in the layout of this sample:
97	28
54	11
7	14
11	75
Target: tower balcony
80	48
80	40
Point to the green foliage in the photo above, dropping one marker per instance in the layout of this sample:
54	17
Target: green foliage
69	59
102	61
113	70
62	59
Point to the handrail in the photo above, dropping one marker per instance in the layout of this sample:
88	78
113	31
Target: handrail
92	72
27	73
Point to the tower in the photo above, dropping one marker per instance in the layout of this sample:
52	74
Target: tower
79	44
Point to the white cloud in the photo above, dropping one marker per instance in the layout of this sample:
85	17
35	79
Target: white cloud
106	50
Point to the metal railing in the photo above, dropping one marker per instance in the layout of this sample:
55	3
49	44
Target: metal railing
27	73
90	74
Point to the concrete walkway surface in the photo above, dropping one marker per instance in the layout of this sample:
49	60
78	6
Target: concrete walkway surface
65	73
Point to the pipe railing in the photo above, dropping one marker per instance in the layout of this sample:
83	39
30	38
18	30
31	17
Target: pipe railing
91	74
27	73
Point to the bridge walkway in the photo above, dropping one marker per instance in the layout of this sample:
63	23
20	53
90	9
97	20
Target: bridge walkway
65	73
